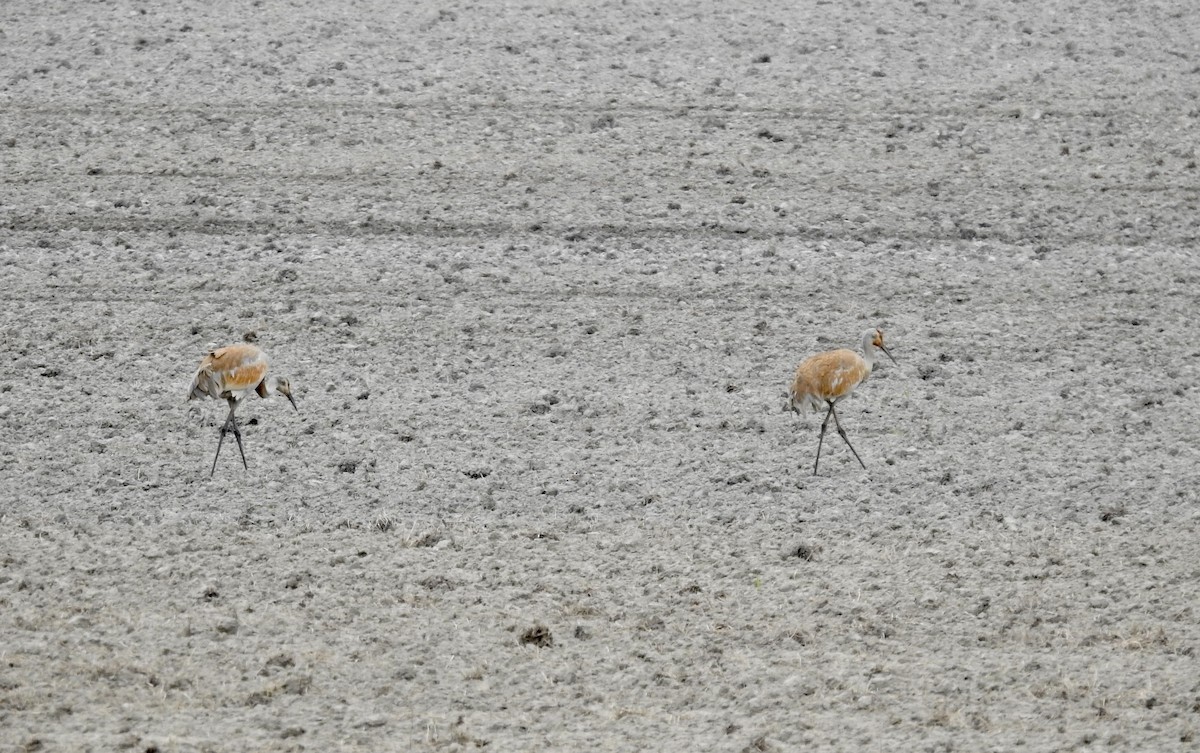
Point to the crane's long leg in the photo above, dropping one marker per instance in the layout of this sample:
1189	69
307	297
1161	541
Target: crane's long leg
843	433
229	425
821	440
220	441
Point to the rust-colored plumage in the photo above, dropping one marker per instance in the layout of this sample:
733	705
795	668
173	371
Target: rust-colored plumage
830	376
231	374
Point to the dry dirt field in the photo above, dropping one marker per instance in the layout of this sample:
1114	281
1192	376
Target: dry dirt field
540	272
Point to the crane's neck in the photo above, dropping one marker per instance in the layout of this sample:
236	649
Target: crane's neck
868	348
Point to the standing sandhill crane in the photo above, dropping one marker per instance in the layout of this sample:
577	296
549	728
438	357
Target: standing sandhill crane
231	374
831	376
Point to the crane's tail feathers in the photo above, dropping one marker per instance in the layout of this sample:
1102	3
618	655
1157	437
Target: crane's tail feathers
797	403
202	386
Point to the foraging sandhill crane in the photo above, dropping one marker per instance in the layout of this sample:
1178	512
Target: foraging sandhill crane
231	374
831	376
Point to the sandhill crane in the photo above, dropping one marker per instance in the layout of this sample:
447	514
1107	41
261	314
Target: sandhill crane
831	376
231	374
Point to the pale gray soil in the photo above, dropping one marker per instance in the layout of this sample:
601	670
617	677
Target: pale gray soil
540	278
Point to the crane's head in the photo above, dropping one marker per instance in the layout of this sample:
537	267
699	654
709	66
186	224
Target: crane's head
877	341
284	387
277	384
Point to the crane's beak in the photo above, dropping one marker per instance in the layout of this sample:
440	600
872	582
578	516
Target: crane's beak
287	392
889	355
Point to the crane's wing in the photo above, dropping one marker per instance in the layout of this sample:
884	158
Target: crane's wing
230	369
833	374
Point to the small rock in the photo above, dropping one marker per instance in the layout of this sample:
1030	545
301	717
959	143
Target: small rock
805	550
538	635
